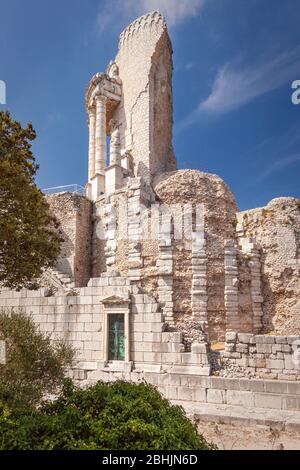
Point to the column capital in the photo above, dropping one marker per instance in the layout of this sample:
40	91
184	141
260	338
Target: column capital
91	110
100	97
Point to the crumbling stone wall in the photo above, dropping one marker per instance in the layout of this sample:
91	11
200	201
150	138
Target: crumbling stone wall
194	187
185	189
212	277
119	220
263	355
73	212
276	229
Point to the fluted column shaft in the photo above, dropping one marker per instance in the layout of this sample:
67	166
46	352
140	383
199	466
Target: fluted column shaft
92	123
100	152
115	147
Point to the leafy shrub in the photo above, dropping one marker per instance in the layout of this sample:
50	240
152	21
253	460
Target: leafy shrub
107	416
34	365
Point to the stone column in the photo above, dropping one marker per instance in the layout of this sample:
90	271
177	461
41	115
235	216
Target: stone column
257	299
100	151
231	286
165	265
250	250
135	261
199	268
199	282
110	223
115	143
92	122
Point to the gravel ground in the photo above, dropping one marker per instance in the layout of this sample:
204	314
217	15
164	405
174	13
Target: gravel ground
229	437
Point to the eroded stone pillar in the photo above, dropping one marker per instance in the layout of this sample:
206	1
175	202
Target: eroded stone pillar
231	286
100	138
199	279
135	261
250	250
92	123
199	268
256	297
165	265
115	143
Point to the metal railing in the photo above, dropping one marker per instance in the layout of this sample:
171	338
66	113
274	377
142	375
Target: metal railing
70	188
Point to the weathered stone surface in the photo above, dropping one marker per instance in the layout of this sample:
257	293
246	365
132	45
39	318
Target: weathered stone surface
73	267
182	188
276	229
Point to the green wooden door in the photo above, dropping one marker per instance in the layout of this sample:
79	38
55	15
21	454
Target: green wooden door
116	346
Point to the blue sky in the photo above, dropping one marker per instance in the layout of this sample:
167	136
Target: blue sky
234	62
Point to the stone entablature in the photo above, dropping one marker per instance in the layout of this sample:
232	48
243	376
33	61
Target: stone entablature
103	84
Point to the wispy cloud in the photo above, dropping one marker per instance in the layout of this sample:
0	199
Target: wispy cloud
190	65
237	84
278	165
185	66
272	155
175	11
54	117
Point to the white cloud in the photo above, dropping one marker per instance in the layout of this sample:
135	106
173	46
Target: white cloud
190	65
278	151
175	11
235	87
279	165
54	117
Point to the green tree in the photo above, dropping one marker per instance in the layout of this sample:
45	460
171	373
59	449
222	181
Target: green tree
29	239
107	416
34	365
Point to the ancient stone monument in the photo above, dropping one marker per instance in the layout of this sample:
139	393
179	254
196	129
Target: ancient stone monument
158	264
132	103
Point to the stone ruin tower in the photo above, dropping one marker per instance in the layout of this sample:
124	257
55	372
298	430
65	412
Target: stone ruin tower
130	109
157	263
132	104
207	266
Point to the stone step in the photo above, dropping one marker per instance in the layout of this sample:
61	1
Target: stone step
61	279
237	415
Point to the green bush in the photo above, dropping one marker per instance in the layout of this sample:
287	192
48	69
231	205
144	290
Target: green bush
34	365
108	416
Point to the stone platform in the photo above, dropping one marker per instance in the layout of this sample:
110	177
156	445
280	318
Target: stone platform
235	415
